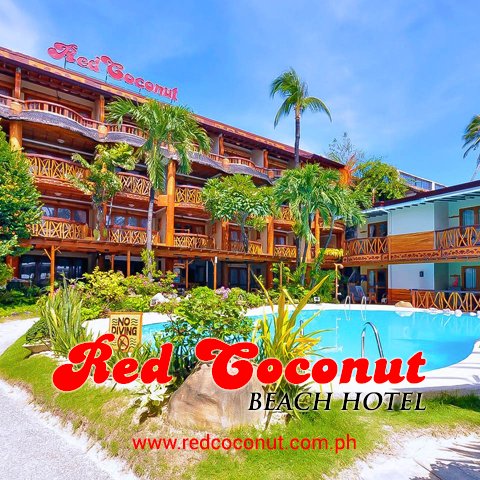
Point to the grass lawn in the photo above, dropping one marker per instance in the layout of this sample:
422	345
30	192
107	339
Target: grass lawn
106	416
18	312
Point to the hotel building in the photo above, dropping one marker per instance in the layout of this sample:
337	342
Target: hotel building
51	112
424	249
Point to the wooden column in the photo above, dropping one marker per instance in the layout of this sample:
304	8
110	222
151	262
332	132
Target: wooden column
317	233
248	277
112	262
269	276
170	212
169	264
128	263
224	236
13	262
214	261
101	108
17	91
265	159
221	148
187	265
270	236
51	256
15	135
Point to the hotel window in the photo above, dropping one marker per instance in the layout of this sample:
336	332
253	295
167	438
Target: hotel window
133	221
280	239
65	213
469	216
193	228
471	278
377	229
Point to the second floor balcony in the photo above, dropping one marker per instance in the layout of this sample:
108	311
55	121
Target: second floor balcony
370	247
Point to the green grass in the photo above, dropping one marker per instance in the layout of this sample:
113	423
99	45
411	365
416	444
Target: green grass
105	415
18	312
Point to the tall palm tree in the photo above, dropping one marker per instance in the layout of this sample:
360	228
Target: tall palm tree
171	132
295	91
472	140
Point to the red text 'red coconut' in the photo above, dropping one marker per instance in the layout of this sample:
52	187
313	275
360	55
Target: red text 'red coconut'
232	367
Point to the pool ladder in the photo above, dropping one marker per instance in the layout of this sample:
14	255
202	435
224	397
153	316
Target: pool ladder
377	338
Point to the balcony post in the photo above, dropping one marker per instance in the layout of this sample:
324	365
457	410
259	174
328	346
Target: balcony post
128	262
265	159
15	135
269	276
112	261
170	212
221	148
17	92
270	236
317	233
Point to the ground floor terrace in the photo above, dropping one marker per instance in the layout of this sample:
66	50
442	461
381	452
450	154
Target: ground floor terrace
451	285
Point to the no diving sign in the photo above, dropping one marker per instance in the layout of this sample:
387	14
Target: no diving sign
127	328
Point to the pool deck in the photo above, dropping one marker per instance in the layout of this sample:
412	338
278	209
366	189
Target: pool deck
461	378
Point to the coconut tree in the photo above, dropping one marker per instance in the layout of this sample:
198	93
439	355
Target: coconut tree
171	132
472	140
295	92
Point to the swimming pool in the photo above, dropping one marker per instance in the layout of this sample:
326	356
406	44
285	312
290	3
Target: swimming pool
443	339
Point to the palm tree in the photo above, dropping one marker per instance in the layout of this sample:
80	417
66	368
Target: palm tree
295	91
171	132
311	189
472	140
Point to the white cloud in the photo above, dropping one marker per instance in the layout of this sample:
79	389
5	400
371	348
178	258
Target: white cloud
18	31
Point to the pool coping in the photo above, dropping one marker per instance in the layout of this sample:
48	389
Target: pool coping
460	378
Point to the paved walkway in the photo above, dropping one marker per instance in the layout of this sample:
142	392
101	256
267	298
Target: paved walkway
34	445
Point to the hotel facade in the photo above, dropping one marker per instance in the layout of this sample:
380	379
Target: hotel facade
52	112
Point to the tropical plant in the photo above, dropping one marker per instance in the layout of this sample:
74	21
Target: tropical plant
471	140
19	200
62	312
6	273
171	132
101	180
343	150
202	314
237	199
150	399
282	335
38	332
295	92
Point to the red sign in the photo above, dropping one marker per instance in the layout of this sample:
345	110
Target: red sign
115	70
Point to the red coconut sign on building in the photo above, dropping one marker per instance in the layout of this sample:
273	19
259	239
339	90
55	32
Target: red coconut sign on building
115	70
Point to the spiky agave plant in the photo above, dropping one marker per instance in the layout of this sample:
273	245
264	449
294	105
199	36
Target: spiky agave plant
282	335
62	312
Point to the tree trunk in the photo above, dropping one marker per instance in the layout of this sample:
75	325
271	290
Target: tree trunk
297	244
297	139
330	233
149	244
244	233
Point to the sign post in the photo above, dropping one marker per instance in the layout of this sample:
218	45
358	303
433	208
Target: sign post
127	328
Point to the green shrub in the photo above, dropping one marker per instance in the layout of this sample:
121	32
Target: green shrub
201	314
38	332
106	287
6	273
133	304
140	284
62	313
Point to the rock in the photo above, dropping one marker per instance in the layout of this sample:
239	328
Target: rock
200	404
403	304
158	298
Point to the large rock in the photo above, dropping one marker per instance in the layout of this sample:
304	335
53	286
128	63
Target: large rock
403	304
201	405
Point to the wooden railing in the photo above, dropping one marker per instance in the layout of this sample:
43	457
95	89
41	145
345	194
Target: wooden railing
286	214
50	167
55	108
254	247
135	184
128	235
335	253
366	246
60	228
192	240
188	194
124	128
286	251
4	100
458	237
467	301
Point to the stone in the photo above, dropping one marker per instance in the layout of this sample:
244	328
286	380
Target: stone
200	404
158	298
403	304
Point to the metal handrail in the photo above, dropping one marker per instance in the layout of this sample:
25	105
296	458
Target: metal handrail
377	338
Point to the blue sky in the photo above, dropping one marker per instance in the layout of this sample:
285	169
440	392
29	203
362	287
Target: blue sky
401	77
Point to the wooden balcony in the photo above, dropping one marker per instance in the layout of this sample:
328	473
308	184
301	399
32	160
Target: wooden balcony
194	241
46	167
61	229
370	248
459	241
127	235
285	215
135	184
285	251
467	301
189	196
254	247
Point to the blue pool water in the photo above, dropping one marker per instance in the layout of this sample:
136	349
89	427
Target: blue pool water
443	339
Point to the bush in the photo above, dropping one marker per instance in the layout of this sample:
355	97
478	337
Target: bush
134	304
203	313
38	332
62	313
105	287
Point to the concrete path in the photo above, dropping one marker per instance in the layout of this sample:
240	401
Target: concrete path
35	445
